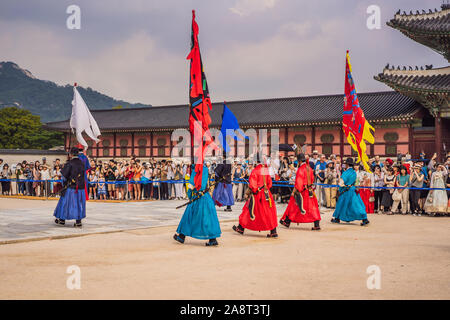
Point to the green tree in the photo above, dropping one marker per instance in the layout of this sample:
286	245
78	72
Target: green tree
19	129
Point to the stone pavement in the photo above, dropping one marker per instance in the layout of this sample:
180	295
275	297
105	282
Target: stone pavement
37	222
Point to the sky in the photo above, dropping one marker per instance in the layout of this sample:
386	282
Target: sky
136	50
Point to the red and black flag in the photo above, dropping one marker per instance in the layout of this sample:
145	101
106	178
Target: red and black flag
199	105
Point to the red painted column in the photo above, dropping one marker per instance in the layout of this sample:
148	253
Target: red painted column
151	144
438	136
115	146
132	143
313	139
411	140
341	142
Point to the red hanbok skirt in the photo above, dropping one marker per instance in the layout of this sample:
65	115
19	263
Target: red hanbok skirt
265	215
368	197
309	204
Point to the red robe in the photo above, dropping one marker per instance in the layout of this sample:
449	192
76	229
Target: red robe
265	212
310	204
366	195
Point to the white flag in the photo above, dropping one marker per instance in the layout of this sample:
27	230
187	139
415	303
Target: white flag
82	120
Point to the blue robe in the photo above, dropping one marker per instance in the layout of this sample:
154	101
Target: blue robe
200	217
350	205
72	205
223	194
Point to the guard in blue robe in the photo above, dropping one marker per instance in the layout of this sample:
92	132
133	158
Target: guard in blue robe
199	220
87	167
223	192
350	206
72	203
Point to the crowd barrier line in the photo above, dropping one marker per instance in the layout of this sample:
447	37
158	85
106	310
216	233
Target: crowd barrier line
274	183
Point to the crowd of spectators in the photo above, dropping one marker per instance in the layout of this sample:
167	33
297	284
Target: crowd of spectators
135	179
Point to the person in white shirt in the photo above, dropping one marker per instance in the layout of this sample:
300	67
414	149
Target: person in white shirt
45	175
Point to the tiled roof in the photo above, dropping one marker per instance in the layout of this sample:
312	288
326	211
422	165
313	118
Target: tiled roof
377	106
434	80
437	22
431	29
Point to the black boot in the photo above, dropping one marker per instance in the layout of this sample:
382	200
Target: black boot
335	220
316	225
60	221
273	233
77	223
212	242
286	222
228	209
238	229
179	237
364	222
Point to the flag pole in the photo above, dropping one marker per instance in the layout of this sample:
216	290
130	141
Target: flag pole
70	134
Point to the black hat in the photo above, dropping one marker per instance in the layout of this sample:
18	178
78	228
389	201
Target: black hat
301	157
349	161
74	151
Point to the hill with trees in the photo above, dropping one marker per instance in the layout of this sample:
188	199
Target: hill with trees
19	88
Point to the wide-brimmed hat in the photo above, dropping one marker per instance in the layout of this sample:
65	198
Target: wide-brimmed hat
349	161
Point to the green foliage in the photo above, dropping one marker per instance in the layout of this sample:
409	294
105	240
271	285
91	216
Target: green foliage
21	129
45	98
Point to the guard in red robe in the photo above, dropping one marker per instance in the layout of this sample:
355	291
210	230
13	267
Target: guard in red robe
259	212
303	206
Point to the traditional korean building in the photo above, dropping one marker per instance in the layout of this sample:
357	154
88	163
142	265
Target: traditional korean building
430	87
315	121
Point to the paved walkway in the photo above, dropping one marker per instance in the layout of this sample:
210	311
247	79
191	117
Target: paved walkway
34	222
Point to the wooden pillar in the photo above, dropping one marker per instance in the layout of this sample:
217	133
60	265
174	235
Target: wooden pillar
115	145
132	143
438	136
151	144
341	142
313	138
170	144
411	141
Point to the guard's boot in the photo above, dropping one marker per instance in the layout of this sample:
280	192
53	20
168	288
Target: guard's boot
60	221
212	242
335	220
238	229
365	222
273	233
228	209
285	222
78	224
316	225
179	237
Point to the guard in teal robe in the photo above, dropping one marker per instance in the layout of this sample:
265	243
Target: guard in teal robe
350	206
199	220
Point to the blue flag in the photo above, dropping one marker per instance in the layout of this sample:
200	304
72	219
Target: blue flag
229	127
